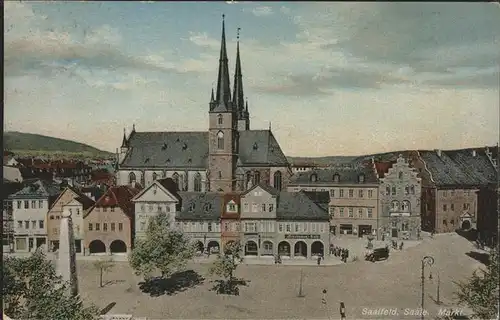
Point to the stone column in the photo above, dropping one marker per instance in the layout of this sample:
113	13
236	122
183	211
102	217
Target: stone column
66	262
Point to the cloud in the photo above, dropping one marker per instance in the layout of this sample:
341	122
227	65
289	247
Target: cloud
262	11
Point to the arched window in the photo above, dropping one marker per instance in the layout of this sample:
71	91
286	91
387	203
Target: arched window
277	180
220	119
336	177
412	189
388	190
400	175
155	176
314	177
395	205
393	190
175	177
361	178
197	182
405	206
219	174
248	177
131	178
256	178
220	140
407	190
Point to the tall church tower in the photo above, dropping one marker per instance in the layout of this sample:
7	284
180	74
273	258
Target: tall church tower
238	96
223	129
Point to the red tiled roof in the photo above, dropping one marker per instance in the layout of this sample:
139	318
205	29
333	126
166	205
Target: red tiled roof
383	167
119	196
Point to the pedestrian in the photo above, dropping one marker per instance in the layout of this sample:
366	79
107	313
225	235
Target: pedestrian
342	311
401	245
346	255
319	260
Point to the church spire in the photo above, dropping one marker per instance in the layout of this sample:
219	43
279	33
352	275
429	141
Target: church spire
212	99
124	141
238	97
223	94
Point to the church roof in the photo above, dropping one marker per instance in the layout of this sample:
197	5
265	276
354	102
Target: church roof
190	150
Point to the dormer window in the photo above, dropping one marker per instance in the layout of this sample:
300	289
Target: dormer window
361	178
255	146
336	177
192	206
155	176
207	207
220	119
168	161
400	175
164	147
314	177
155	189
231	206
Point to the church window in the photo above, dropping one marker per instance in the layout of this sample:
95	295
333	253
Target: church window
277	180
405	206
197	182
407	190
155	176
412	189
256	178
248	177
175	177
220	119
314	177
395	205
220	140
131	178
336	177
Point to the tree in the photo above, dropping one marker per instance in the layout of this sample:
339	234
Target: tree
32	290
163	249
103	265
480	291
225	265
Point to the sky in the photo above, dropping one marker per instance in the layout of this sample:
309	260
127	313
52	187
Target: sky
331	78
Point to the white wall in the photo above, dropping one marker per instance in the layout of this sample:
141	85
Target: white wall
76	210
33	213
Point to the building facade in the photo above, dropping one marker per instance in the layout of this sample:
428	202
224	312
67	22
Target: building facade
199	218
109	224
228	157
354	197
160	197
230	222
400	192
29	214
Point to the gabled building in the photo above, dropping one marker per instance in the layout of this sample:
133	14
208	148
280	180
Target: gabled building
230	219
229	157
354	196
199	218
74	202
29	213
160	197
400	192
109	224
7	189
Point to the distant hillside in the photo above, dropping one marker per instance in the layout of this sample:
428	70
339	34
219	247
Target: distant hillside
322	161
28	144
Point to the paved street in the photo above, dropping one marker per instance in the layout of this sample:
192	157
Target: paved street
272	289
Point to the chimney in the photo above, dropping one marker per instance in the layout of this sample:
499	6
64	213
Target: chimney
438	151
473	153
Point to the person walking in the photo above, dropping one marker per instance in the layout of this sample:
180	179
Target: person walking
342	311
319	260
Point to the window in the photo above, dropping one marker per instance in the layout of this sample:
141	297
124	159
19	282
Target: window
175	177
131	178
452	193
77	211
271	207
313	177
407	190
336	177
388	190
220	140
452	207
219	174
232	207
444	207
280	227
51	217
120	226
445	222
370	213
112	226
341	212
277	180
26	224
452	222
150	207
254	207
404	226
104	227
33	224
466	206
313	227
71	211
58	217
26	204
19	204
351	193
288	229
40	204
332	211
361	178
412	189
341	193
143	226
246	207
104	209
445	193
393	190
351	213
360	193
395	206
33	204
360	213
112	209
370	193
263	207
90	227
400	175
155	176
54	230
97	226
220	119
332	193
19	224
197	182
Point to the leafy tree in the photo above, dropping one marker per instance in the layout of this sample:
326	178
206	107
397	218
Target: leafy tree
32	290
103	266
163	249
480	291
225	265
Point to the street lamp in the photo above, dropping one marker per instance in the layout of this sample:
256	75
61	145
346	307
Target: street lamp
205	242
437	293
426	261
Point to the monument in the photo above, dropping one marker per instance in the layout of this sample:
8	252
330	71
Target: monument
66	262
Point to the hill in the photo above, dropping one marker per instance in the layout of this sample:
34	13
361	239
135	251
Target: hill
28	144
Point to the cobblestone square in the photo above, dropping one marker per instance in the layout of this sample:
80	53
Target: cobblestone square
272	289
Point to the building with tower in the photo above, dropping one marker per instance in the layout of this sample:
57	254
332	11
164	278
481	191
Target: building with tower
228	157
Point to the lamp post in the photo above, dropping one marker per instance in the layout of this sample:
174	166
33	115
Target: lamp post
438	301
258	249
426	261
205	242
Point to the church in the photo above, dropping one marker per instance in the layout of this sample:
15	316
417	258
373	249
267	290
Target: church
229	157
